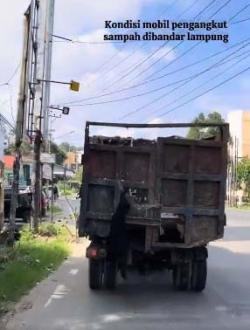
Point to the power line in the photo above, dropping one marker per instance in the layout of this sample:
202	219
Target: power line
132	68
153	53
235	15
159	48
11	102
6	121
206	92
206	82
11	77
164	95
241	21
185	80
191	48
177	58
161	77
65	39
135	50
240	11
165	54
173	3
216	12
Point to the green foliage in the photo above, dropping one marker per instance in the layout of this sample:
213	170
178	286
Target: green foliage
78	175
202	133
30	261
60	154
48	229
244	175
27	234
66	147
67	192
26	148
66	189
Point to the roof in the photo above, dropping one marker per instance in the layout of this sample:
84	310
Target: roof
8	161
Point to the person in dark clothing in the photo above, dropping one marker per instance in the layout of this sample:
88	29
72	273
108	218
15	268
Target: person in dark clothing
118	241
55	192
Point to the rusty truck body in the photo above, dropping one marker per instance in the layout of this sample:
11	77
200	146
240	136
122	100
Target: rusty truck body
178	190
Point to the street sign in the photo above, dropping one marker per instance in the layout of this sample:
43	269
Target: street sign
47	158
47	172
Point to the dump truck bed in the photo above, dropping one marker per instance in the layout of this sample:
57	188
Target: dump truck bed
176	183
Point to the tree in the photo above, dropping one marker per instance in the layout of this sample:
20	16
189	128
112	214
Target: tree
66	147
78	175
201	132
26	148
60	154
243	176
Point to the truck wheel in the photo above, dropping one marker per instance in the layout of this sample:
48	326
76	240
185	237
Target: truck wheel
110	274
95	274
199	275
181	276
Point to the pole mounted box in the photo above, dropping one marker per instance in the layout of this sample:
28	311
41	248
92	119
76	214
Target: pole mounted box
74	86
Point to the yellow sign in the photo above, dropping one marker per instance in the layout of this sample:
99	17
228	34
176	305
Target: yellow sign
74	86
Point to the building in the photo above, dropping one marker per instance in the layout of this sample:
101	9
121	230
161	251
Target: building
70	161
2	140
73	160
25	170
1	195
239	148
239	122
60	172
6	134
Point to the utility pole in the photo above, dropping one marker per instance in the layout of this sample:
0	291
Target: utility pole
19	135
47	68
37	180
41	97
33	102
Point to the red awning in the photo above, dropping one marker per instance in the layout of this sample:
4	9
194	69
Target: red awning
8	162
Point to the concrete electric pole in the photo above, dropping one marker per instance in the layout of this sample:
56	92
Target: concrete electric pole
19	132
33	100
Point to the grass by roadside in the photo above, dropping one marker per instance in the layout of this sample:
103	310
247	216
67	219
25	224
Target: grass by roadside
66	190
33	258
243	207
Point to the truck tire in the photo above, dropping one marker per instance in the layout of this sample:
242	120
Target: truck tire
110	274
95	274
199	275
181	276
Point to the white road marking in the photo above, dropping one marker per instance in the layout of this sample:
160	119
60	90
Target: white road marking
59	293
74	271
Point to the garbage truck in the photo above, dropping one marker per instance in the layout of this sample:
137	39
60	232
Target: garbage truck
152	204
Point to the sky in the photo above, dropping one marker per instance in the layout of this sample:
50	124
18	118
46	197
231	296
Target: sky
126	73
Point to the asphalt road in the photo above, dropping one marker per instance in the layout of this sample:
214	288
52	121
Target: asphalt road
64	301
68	207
